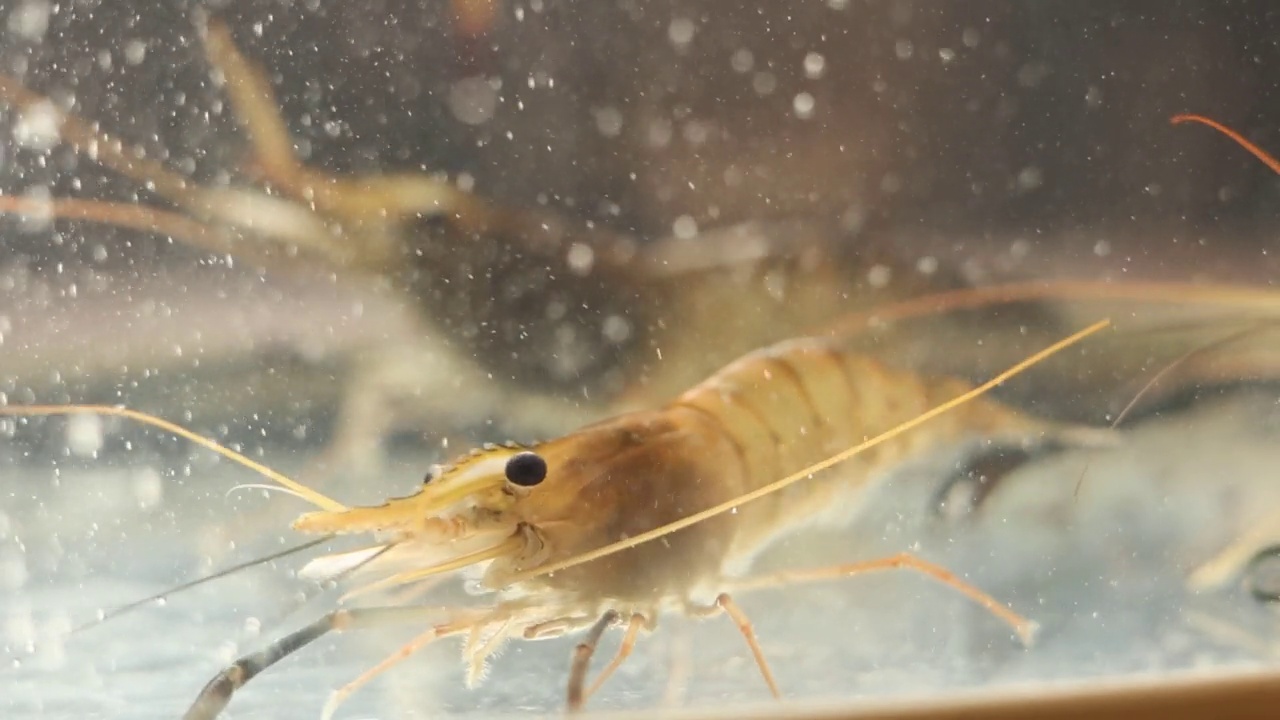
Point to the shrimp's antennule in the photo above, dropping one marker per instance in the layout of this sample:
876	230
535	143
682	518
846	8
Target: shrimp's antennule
314	497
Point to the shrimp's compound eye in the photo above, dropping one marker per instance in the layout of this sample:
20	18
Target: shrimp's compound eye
526	469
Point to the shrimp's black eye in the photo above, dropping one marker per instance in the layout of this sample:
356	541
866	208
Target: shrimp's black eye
526	469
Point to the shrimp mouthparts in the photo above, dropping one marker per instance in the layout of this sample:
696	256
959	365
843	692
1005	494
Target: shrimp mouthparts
512	544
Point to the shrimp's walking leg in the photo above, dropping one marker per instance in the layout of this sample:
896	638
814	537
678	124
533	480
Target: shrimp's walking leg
217	693
582	659
634	626
1025	629
276	162
431	635
256	108
724	603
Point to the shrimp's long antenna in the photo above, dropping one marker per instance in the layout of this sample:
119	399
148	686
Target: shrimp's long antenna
122	609
816	467
1176	293
1267	158
312	496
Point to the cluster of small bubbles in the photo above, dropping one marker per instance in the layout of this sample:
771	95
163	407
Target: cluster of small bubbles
30	20
814	65
685	227
803	104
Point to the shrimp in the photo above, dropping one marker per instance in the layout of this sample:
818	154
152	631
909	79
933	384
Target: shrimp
559	533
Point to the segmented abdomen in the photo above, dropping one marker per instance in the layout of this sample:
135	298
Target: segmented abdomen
790	405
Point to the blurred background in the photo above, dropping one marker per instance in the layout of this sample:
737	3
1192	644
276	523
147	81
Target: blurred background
1002	138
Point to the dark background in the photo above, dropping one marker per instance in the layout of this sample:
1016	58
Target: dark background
1070	97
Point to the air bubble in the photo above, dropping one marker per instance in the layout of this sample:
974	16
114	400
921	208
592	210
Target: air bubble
814	65
473	100
84	434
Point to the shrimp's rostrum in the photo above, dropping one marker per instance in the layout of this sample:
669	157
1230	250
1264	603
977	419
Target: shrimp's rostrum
501	512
